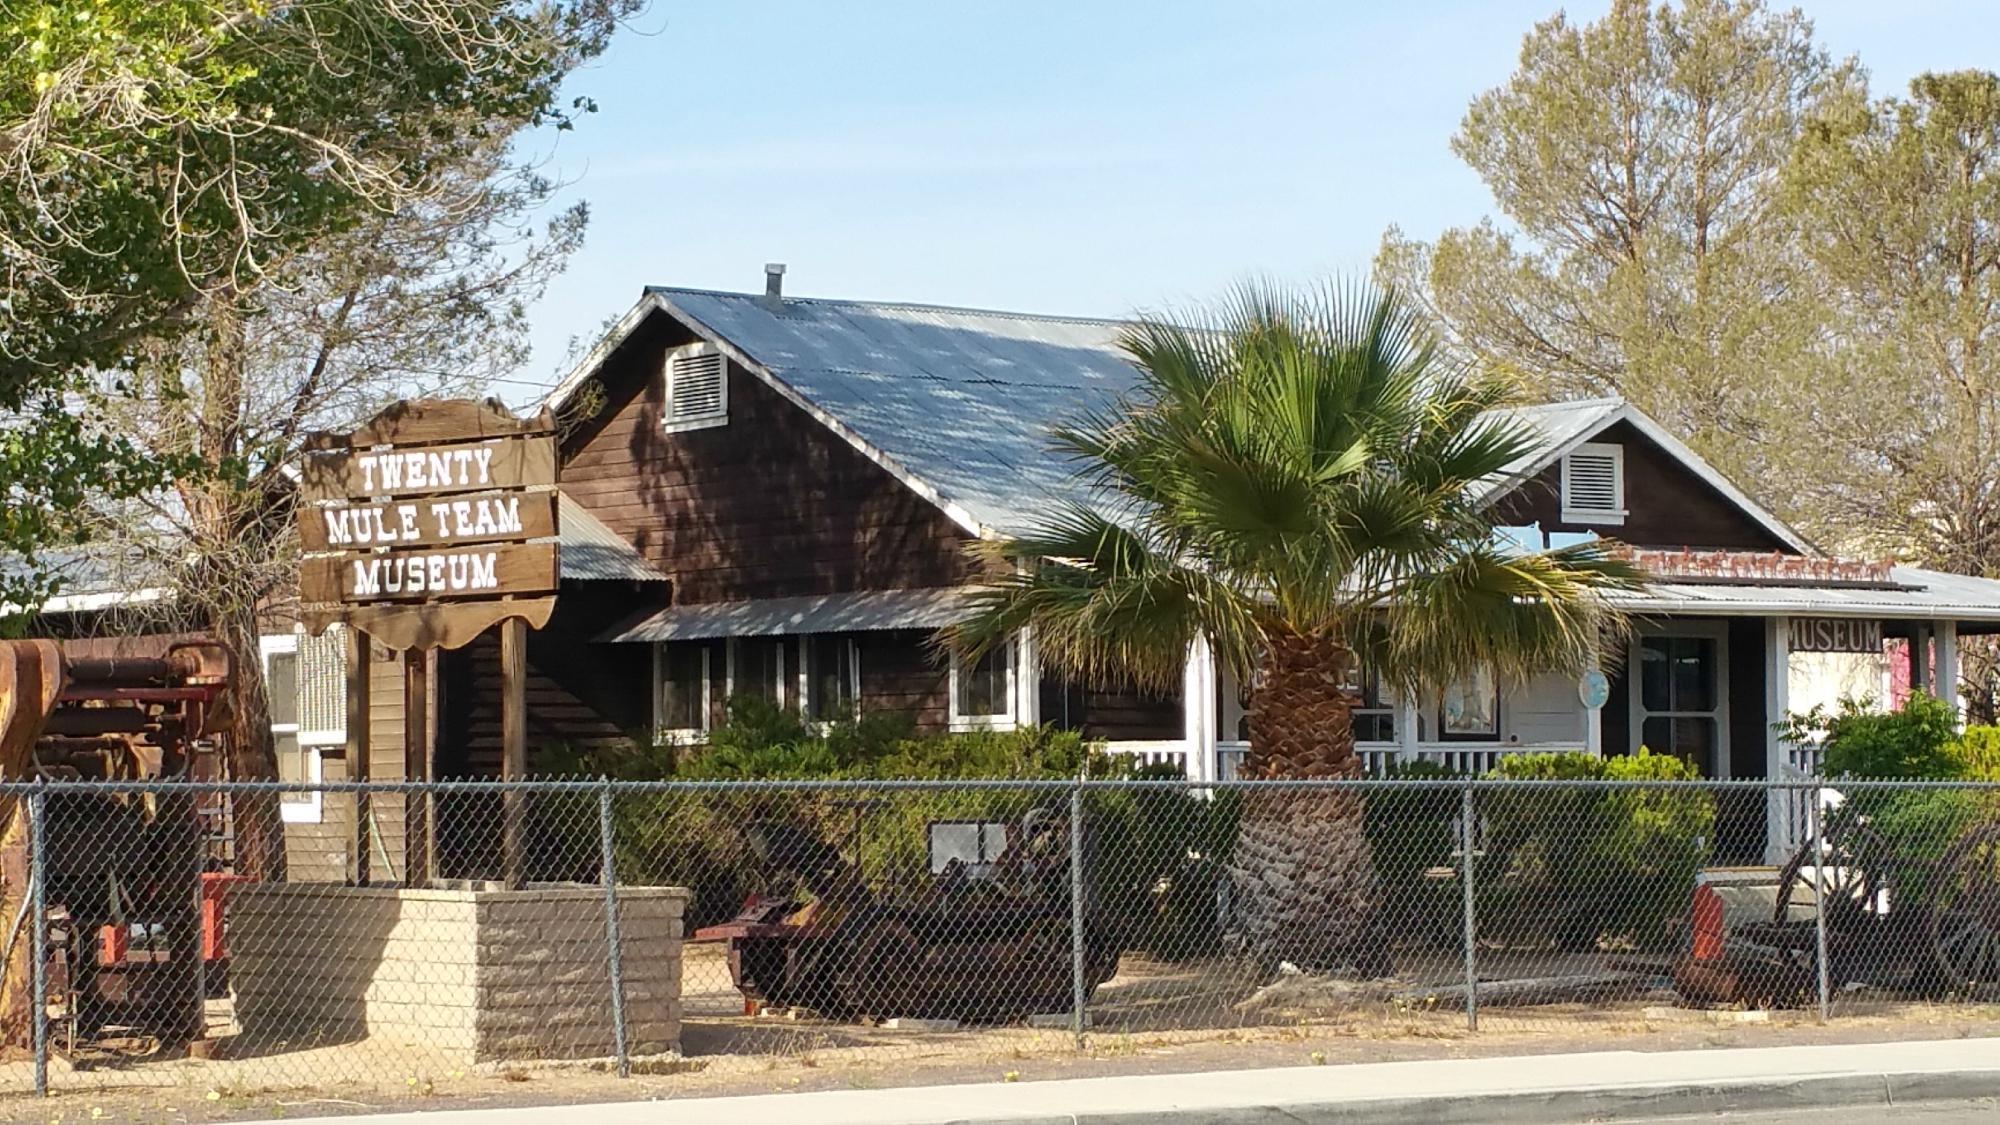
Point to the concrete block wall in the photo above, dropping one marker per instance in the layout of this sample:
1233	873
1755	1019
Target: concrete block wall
478	974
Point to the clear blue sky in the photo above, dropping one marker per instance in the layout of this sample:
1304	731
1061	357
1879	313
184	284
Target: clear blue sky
1080	157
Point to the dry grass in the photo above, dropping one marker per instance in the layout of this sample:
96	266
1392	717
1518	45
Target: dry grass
1153	1018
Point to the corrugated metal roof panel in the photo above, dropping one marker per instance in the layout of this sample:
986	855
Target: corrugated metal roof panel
1921	595
860	611
963	400
593	552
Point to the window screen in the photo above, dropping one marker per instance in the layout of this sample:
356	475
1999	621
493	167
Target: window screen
830	677
982	686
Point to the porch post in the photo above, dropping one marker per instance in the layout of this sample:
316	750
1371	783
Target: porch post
1198	711
1027	682
1406	729
1947	666
1777	700
1920	658
1593	717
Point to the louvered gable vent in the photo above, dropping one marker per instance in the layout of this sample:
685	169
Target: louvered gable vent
697	388
1593	484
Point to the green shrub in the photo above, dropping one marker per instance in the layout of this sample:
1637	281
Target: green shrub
1977	754
1582	866
1918	741
1411	832
1913	742
1158	855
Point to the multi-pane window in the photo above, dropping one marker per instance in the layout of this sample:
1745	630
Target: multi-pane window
281	688
1375	715
1679	698
832	677
305	694
683	689
982	691
757	670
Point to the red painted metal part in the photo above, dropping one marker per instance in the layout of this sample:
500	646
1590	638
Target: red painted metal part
1709	935
214	892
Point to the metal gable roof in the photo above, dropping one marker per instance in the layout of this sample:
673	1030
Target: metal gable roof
1565	425
958	403
1561	426
91	578
959	399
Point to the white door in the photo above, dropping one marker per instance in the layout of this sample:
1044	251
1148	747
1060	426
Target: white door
1680	694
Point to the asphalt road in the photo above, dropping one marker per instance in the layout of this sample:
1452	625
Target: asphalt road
1933	1113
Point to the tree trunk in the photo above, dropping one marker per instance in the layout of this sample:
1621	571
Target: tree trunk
254	817
16	1002
28	689
1304	878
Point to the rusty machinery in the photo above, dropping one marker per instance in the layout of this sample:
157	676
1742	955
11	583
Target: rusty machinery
131	931
987	944
1893	920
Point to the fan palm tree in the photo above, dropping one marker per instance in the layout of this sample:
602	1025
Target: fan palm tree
1299	482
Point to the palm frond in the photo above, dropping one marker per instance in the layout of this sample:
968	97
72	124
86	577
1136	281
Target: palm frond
1517	613
1105	605
1305	462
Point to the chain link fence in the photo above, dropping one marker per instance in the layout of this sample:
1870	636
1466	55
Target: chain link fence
419	931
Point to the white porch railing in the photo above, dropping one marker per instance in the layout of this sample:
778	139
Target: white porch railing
1377	757
1789	809
1164	752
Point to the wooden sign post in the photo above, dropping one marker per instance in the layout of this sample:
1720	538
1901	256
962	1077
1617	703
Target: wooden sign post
427	526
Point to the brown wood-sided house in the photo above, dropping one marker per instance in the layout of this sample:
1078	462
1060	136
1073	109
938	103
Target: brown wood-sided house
769	495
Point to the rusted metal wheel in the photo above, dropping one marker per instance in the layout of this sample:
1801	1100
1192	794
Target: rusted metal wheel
885	973
1965	911
1856	873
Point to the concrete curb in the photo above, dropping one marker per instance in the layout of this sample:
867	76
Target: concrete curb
1621	1103
1543	1107
1598	1086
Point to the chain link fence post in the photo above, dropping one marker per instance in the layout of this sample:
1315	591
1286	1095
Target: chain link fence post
614	948
1466	836
1819	858
1076	950
38	930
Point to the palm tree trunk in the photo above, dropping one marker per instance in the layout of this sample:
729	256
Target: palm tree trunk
1304	878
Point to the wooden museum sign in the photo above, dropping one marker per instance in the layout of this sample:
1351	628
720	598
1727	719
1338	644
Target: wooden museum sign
427	526
431	523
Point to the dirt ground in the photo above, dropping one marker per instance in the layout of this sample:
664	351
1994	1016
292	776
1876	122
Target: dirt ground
1152	1018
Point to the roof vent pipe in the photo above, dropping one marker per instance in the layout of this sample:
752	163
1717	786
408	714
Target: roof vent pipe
774	282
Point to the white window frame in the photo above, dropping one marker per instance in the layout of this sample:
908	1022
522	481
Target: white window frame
1008	719
1609	517
681	734
313	744
782	696
805	677
718	417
